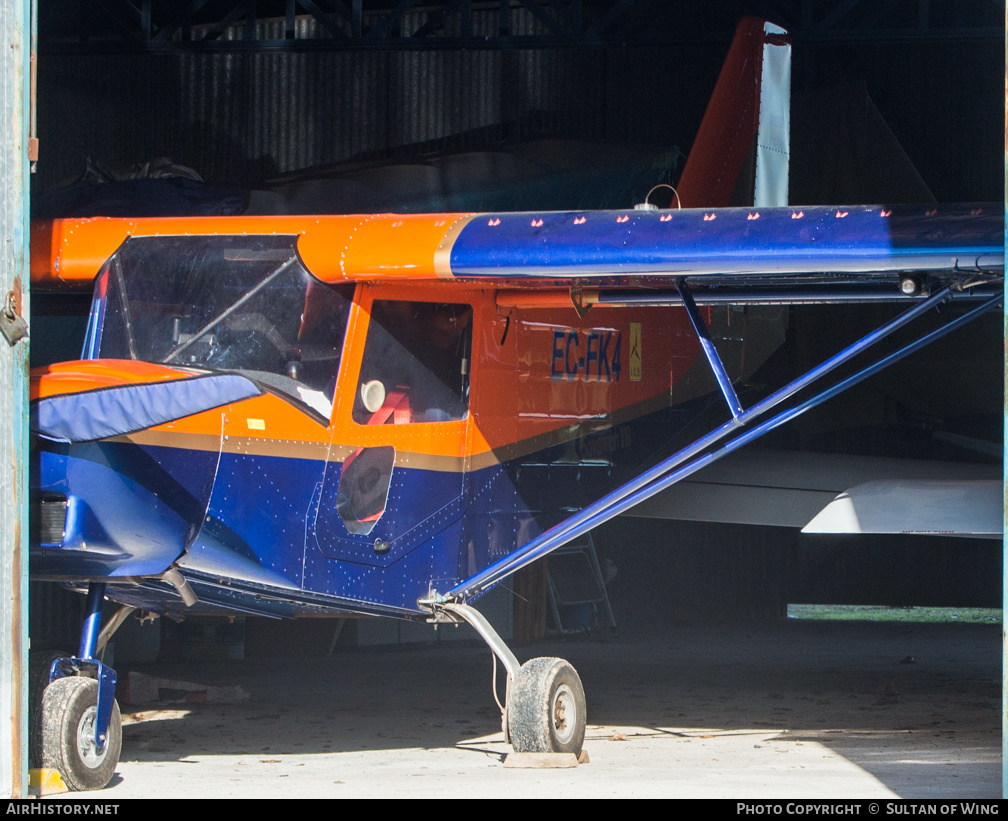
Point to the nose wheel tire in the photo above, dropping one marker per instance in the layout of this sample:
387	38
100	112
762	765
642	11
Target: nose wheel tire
546	708
69	712
39	664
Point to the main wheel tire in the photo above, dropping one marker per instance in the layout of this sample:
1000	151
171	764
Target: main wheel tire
69	711
546	708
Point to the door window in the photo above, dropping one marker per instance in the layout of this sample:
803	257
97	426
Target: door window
416	364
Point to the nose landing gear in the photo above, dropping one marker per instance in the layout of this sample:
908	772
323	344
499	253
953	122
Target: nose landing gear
69	734
76	726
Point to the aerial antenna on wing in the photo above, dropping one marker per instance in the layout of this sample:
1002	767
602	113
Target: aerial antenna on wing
649	205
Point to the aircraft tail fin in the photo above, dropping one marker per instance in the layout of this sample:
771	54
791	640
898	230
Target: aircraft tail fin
741	153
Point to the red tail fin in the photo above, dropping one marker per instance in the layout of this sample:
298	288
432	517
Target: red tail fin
750	104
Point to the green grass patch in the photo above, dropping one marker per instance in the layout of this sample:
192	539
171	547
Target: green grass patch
854	612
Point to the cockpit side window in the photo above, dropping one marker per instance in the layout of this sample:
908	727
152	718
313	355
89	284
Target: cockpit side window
416	363
235	303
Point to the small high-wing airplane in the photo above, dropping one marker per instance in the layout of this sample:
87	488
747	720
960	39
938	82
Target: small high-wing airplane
389	414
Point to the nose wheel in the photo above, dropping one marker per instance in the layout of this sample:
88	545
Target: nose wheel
75	723
68	716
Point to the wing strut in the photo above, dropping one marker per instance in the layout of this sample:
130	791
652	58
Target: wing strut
710	351
698	454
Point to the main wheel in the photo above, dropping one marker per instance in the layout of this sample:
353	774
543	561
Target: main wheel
546	708
69	712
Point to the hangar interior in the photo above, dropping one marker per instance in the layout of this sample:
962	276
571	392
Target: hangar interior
352	107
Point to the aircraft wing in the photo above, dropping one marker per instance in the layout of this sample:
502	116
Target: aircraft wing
749	245
936	508
837	493
787	254
727	255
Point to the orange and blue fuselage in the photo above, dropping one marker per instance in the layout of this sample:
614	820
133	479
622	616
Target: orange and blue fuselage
291	492
243	497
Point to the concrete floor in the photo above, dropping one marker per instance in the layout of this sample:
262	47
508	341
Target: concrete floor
795	709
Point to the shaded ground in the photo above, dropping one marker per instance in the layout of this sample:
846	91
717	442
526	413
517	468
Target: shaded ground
796	709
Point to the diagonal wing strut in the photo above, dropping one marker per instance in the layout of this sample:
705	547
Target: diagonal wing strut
699	454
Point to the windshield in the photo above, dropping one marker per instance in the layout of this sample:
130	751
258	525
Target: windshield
238	303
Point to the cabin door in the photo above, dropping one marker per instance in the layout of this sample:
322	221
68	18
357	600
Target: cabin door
396	477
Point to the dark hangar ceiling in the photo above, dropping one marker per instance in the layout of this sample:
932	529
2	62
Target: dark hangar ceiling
233	25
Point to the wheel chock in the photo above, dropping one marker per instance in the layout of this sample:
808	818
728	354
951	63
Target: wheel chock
544	761
44	781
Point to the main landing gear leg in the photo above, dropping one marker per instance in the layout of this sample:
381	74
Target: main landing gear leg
544	711
76	727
